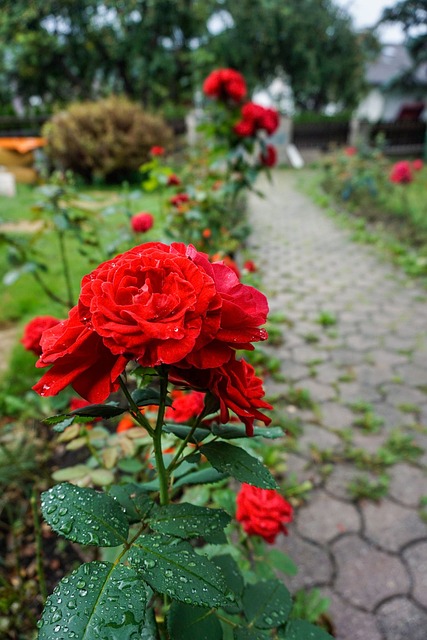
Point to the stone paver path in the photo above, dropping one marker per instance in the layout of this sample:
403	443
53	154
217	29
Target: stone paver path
367	376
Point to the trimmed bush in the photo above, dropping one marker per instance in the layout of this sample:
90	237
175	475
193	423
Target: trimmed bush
104	140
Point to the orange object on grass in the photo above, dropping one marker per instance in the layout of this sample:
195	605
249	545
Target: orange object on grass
22	145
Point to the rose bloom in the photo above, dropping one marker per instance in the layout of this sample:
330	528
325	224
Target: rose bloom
250	266
34	331
256	118
401	172
179	198
268	157
417	165
350	151
225	84
234	384
157	151
159	304
142	222
185	406
263	512
173	180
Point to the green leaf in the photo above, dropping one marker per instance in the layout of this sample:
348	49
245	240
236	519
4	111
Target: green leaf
243	633
181	432
63	424
189	521
239	464
136	503
231	573
85	516
186	622
98	411
266	604
204	476
231	431
171	566
71	473
303	630
147	396
98	601
282	562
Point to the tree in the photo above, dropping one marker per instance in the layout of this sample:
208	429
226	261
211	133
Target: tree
65	49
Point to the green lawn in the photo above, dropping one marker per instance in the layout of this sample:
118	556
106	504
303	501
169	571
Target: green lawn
24	299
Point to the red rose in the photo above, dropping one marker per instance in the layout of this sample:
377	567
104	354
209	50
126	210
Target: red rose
34	330
268	157
142	222
234	384
250	266
256	118
173	180
224	84
401	172
179	198
157	151
417	164
154	304
263	512
350	151
185	406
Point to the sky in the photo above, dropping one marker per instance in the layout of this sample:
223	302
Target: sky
365	13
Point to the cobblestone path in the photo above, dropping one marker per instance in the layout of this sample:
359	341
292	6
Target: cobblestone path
367	376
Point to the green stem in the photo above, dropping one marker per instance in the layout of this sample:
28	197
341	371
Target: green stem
157	439
38	542
66	269
50	294
134	409
183	444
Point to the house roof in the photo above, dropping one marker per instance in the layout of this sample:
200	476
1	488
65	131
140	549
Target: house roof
393	61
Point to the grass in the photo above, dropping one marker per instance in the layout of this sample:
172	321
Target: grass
23	299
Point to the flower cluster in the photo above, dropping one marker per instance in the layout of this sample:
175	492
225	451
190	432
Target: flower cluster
263	512
225	84
160	305
142	222
179	199
256	118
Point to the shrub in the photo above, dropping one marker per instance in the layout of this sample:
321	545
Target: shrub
104	140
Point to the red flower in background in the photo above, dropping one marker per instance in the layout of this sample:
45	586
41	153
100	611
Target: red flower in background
250	266
256	118
268	157
263	512
225	84
159	304
401	172
142	222
185	406
34	331
157	151
173	180
179	198
417	164
350	151
125	424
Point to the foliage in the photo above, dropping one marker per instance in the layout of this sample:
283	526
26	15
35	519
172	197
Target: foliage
91	48
103	140
157	52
